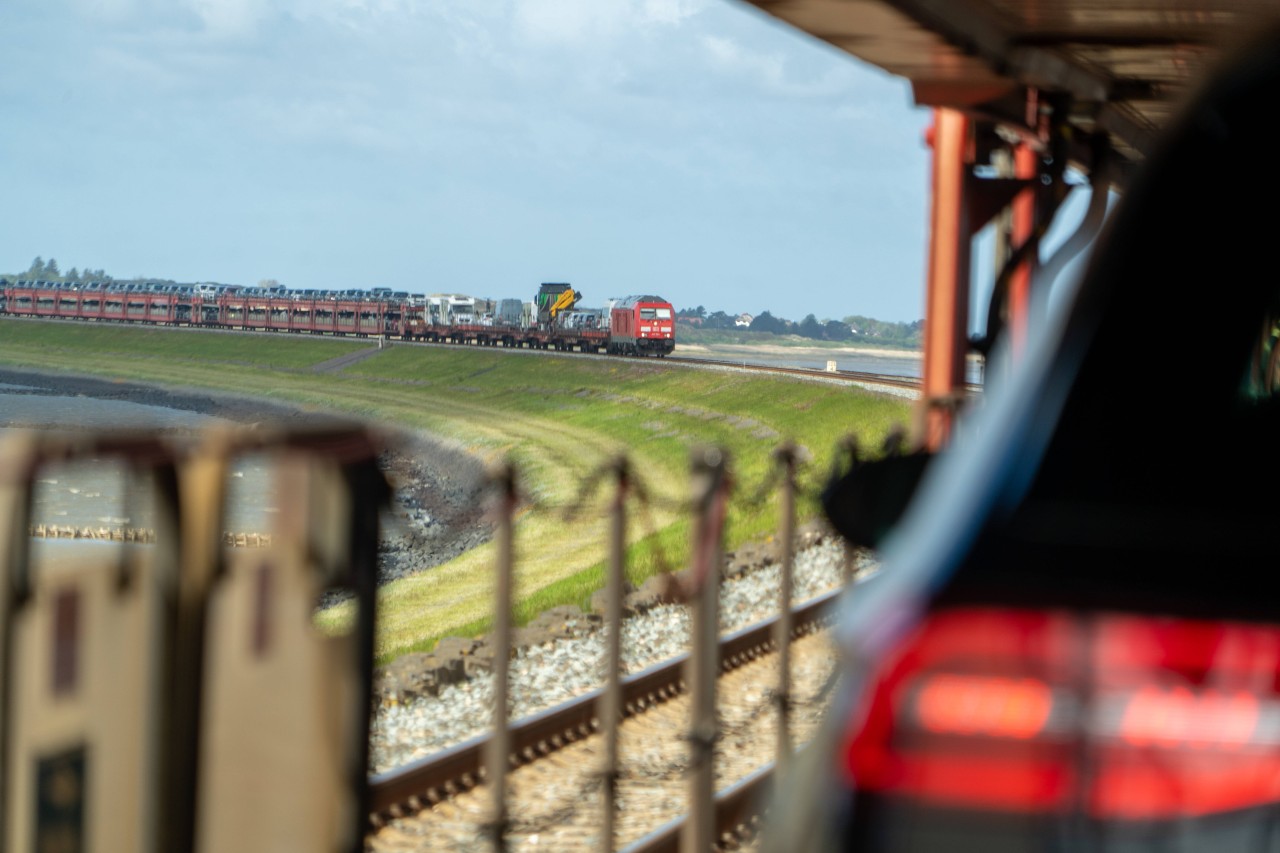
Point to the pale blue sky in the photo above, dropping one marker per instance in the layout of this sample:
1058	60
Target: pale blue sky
691	148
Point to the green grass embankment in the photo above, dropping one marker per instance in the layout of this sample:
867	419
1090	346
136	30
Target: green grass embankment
560	418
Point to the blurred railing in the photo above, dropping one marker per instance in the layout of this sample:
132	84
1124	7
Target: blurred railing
178	696
698	586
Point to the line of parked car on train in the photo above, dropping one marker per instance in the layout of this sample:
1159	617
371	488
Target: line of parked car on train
276	290
634	325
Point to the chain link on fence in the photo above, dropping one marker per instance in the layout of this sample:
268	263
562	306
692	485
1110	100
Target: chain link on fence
791	477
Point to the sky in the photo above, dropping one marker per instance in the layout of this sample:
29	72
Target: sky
693	149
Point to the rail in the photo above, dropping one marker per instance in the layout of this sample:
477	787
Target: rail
711	815
435	778
237	600
909	382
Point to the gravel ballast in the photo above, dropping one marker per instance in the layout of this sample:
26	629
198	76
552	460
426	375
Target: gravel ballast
549	673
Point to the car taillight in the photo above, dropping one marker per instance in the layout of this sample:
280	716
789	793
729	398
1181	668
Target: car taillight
1116	716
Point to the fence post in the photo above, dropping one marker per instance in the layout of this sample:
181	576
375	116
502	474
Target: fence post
15	556
499	752
611	712
710	490
786	457
849	449
203	505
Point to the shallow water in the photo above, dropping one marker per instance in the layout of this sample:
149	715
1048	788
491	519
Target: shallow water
101	493
889	363
36	409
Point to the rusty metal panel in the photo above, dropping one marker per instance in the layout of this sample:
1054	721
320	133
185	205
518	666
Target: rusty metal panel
947	294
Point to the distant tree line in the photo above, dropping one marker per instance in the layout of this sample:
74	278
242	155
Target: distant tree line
42	270
852	329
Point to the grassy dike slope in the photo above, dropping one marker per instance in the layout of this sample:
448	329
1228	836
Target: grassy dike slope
558	417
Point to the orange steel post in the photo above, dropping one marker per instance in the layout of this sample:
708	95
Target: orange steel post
947	295
1025	165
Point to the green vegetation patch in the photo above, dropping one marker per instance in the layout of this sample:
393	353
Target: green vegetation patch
560	418
60	341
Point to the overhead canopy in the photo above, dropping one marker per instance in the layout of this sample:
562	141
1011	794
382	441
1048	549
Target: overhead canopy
1118	66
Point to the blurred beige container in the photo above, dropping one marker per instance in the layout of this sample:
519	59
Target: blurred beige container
177	695
278	742
83	668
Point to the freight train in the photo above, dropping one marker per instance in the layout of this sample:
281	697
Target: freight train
635	325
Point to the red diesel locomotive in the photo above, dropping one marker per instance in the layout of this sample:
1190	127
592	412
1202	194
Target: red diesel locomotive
642	325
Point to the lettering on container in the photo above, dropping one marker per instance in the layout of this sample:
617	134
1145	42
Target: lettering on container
66	642
262	611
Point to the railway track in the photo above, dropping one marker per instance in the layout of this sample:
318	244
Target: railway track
908	382
440	800
849	376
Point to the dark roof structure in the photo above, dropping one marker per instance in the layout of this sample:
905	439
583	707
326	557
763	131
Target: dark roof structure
1116	66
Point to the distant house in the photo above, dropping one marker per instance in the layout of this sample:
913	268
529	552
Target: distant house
744	321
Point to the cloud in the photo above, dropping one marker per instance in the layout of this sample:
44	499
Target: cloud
577	21
107	9
213	17
360	16
228	17
343	120
669	11
769	71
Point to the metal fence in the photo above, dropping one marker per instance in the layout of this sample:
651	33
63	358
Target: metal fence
709	811
164	690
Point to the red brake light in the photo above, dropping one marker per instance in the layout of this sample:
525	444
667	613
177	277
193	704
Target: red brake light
1180	717
986	705
1005	710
